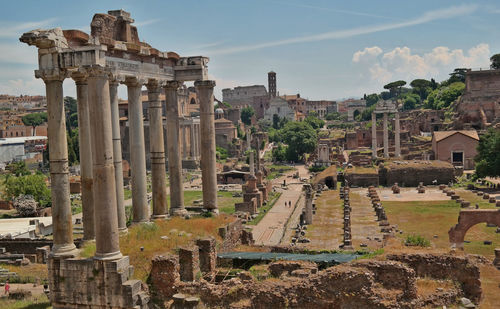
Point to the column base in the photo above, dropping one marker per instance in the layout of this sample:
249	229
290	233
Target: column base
123	231
64	251
140	221
178	212
108	256
158	217
213	211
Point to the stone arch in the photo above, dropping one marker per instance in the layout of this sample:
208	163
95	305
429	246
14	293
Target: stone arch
467	219
356	113
193	101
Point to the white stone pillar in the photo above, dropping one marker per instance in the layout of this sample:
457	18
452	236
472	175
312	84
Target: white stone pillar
63	245
84	140
157	148
107	237
137	151
205	91
374	136
117	156
386	137
397	137
173	148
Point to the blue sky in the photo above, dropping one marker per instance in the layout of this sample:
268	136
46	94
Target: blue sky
320	49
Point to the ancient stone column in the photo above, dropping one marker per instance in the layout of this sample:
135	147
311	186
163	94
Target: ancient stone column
205	91
117	155
157	149
58	152
386	137
173	149
397	132
184	142
249	148
191	141
137	151
257	151
107	238
374	136
85	156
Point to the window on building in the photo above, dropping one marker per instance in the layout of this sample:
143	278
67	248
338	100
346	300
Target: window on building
457	157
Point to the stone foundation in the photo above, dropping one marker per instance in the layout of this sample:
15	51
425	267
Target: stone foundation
90	283
189	262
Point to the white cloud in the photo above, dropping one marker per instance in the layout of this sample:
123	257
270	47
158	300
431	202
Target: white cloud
367	54
9	30
18	53
402	63
146	22
429	16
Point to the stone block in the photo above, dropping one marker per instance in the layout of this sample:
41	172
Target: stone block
207	254
486	196
189	263
465	204
164	275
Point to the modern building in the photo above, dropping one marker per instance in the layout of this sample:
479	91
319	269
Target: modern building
20	148
456	147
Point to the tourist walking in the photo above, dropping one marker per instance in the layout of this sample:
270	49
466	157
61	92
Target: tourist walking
7	287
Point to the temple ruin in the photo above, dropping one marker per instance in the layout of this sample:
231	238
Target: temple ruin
111	55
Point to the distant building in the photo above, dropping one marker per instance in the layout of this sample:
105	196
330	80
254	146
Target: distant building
280	107
304	107
456	147
354	107
21	148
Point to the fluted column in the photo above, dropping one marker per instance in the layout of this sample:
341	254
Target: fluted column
157	149
117	155
374	136
137	151
173	149
107	238
84	140
205	91
397	140
386	137
63	245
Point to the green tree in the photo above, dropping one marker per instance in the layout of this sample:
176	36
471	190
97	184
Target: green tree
314	122
371	99
410	101
487	159
33	185
73	146
221	153
495	62
71	109
279	153
246	115
395	87
421	87
18	168
276	121
458	75
300	137
441	98
34	120
264	125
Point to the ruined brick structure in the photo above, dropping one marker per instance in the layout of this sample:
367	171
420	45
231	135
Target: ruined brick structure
479	106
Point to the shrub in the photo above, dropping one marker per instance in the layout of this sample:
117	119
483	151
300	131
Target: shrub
417	241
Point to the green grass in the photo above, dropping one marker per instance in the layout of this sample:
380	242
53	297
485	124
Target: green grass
273	197
127	194
417	240
435	218
35	302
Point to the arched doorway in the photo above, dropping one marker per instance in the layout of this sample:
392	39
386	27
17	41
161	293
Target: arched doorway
467	219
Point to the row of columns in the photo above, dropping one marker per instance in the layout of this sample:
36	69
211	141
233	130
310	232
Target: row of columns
100	157
397	141
191	149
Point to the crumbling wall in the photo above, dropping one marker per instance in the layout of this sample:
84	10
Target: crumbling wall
458	268
411	173
234	235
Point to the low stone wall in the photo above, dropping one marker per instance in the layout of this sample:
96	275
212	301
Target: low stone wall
457	268
411	173
234	235
27	246
362	179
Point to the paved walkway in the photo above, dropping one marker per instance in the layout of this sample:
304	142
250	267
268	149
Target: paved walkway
271	228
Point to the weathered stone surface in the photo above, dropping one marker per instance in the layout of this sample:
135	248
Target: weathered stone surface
164	275
189	263
207	254
279	268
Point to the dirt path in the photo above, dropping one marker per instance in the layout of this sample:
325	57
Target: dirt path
271	228
364	226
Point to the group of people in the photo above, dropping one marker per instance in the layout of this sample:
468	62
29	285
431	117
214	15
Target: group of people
288	204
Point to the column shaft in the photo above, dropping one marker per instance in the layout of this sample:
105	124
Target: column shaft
137	152
84	141
386	137
207	122
157	148
184	143
117	156
58	152
107	238
397	132
191	141
374	136
173	149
